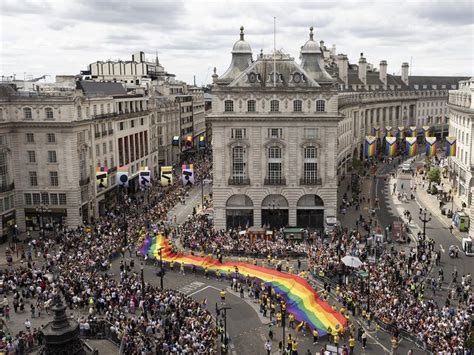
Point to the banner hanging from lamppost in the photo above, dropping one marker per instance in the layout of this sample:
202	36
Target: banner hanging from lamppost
187	176
391	146
388	131
401	132
430	146
375	132
166	176
426	131
370	146
450	146
413	131
410	146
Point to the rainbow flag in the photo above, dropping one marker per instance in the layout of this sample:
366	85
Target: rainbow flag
391	146
401	132
410	146
376	131
430	146
370	146
301	299
388	131
413	131
450	146
427	131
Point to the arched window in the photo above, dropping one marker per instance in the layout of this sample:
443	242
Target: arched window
27	114
274	106
229	106
320	106
239	163
310	165
297	106
251	106
274	174
49	113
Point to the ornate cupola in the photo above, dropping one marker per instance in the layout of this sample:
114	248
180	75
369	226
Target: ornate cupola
241	59
312	60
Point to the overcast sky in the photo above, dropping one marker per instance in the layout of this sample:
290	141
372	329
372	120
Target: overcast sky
191	37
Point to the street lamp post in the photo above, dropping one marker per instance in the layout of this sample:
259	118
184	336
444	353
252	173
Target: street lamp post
203	181
42	210
283	323
142	278
218	310
425	217
161	268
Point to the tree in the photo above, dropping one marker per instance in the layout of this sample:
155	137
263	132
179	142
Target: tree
434	175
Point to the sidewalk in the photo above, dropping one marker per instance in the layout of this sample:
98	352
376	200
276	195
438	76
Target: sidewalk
432	204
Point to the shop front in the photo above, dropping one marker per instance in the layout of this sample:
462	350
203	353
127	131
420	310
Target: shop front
48	218
8	224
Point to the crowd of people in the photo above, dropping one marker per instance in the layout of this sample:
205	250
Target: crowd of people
396	296
76	264
198	234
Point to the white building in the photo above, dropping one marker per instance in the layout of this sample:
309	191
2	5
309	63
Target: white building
274	133
461	126
53	138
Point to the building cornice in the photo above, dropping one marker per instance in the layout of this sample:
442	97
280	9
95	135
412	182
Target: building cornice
462	109
274	118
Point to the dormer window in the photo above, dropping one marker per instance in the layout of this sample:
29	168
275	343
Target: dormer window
274	106
229	106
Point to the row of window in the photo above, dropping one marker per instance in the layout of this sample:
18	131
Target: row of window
36	199
275	106
274	164
123	124
241	133
28	113
50	138
52	156
104	148
53	178
7	203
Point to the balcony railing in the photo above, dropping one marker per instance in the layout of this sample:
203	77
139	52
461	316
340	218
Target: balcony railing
275	181
85	181
311	181
238	181
6	188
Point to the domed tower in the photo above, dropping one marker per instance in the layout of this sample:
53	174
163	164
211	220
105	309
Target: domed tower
312	60
241	59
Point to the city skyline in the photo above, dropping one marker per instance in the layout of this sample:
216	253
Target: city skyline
192	38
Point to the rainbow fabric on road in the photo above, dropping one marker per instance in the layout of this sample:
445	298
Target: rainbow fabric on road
301	299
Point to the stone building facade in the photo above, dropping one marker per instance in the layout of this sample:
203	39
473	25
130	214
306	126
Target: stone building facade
274	133
461	126
363	97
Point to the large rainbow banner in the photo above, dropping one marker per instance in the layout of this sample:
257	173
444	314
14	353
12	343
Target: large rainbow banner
391	146
413	131
370	146
430	146
301	299
388	131
450	146
410	146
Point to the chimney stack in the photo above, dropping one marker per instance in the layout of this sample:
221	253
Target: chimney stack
383	73
363	69
342	65
405	68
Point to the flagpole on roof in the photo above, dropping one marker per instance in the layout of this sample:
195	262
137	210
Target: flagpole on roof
274	51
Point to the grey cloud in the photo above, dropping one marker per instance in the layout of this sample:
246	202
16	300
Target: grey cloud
124	37
18	7
457	12
162	14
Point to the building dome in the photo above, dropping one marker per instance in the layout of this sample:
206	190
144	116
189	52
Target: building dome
241	46
311	46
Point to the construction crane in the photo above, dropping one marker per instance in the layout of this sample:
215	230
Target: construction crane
38	79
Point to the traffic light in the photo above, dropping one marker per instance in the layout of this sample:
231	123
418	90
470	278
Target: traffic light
202	142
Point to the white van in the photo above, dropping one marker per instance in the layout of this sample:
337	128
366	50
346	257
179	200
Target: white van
406	168
467	247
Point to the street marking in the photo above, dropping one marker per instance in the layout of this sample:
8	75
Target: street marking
202	289
441	248
191	287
